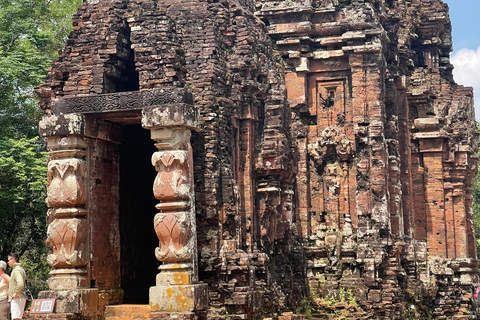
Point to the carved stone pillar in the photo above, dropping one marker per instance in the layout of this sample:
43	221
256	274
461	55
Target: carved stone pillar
176	285
67	232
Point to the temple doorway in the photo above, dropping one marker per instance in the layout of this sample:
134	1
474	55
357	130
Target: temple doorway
138	264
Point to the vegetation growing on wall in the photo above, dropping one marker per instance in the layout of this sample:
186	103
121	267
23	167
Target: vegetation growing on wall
476	209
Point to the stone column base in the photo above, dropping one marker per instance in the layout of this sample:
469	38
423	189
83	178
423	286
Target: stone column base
79	301
51	316
174	298
68	279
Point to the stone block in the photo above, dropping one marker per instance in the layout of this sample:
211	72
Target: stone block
173	316
68	279
127	312
170	115
84	301
62	124
375	295
179	298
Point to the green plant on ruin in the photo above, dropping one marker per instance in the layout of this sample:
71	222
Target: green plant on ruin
410	313
344	296
352	301
476	208
322	278
305	307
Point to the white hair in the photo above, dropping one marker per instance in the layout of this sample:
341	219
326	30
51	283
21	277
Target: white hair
3	265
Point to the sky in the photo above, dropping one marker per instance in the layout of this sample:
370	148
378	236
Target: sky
465	17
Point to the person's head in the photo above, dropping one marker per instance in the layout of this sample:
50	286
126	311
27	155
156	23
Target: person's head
12	259
3	266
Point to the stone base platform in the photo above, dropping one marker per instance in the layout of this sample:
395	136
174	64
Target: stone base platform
179	298
51	316
127	312
177	315
142	312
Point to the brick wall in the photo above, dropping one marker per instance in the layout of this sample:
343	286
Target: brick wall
334	157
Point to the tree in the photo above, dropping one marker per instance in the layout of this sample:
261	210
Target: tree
31	32
22	197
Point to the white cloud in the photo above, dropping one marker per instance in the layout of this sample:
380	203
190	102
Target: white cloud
467	72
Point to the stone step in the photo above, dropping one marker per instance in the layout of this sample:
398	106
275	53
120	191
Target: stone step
127	312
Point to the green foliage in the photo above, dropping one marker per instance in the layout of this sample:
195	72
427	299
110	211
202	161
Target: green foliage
31	32
476	208
343	296
412	313
305	307
22	195
34	261
22	206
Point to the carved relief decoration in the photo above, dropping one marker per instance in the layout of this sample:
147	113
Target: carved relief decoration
171	182
175	223
121	100
66	183
68	239
333	169
332	143
174	231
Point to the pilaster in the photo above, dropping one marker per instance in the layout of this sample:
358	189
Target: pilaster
68	229
67	216
176	286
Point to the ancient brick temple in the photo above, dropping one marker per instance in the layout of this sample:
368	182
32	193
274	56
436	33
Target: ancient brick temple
307	158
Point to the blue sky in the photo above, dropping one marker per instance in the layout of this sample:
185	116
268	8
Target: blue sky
465	17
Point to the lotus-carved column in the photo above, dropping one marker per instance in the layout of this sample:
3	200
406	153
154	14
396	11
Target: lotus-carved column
67	232
176	285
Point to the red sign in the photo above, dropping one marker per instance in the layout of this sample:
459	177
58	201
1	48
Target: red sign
42	306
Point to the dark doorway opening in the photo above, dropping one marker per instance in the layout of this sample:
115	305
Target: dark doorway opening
139	266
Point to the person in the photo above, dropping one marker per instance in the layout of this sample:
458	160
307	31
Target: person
15	287
4	280
477	295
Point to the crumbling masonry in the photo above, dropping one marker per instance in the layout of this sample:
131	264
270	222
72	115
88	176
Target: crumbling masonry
307	158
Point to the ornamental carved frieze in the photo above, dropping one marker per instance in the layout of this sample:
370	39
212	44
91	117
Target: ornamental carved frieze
121	100
68	239
66	182
174	230
332	144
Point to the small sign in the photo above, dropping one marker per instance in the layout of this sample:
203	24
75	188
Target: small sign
42	305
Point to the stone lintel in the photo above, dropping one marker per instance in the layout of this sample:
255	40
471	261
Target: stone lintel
84	301
270	10
170	115
132	100
427	124
464	263
431	145
429	135
179	298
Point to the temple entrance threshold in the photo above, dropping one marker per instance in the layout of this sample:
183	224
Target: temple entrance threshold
127	312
